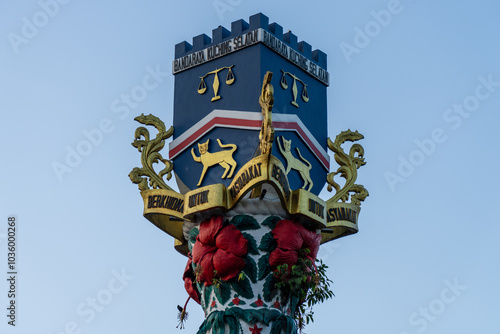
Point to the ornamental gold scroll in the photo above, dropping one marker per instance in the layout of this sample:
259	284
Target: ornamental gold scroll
341	216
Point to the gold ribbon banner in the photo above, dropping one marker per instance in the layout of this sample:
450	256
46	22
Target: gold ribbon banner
168	209
278	179
341	220
252	174
205	198
165	209
308	208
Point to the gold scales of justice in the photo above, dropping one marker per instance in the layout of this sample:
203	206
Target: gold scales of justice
202	87
284	85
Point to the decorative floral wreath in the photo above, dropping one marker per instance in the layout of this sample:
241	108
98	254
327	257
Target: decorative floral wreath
220	262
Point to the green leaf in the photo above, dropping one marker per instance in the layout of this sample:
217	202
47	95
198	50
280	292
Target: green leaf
233	324
248	316
250	268
208	323
269	290
217	319
207	290
193	234
264	267
267	243
238	313
256	315
204	327
285	296
252	244
242	288
223	293
219	324
270	315
290	326
277	326
245	222
293	302
271	222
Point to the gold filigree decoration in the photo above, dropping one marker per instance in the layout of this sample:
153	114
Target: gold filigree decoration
349	164
150	154
266	101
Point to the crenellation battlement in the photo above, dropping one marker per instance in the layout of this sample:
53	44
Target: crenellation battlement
219	34
291	39
276	30
240	27
305	49
259	20
200	42
182	48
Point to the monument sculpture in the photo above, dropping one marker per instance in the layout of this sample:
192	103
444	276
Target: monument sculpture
249	155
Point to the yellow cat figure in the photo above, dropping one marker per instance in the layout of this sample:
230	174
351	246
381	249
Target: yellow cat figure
223	158
296	164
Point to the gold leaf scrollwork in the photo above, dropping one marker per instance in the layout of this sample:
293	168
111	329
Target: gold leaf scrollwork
349	164
150	154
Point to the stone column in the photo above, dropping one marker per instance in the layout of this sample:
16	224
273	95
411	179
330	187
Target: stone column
234	262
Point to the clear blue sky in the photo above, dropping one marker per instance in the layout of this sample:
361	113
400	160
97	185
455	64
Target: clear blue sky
422	85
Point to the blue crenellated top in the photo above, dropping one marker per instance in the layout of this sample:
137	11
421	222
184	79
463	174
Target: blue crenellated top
239	27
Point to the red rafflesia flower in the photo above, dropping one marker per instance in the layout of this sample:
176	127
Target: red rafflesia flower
220	249
188	278
291	237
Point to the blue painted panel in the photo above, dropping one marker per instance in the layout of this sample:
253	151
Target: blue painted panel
249	65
